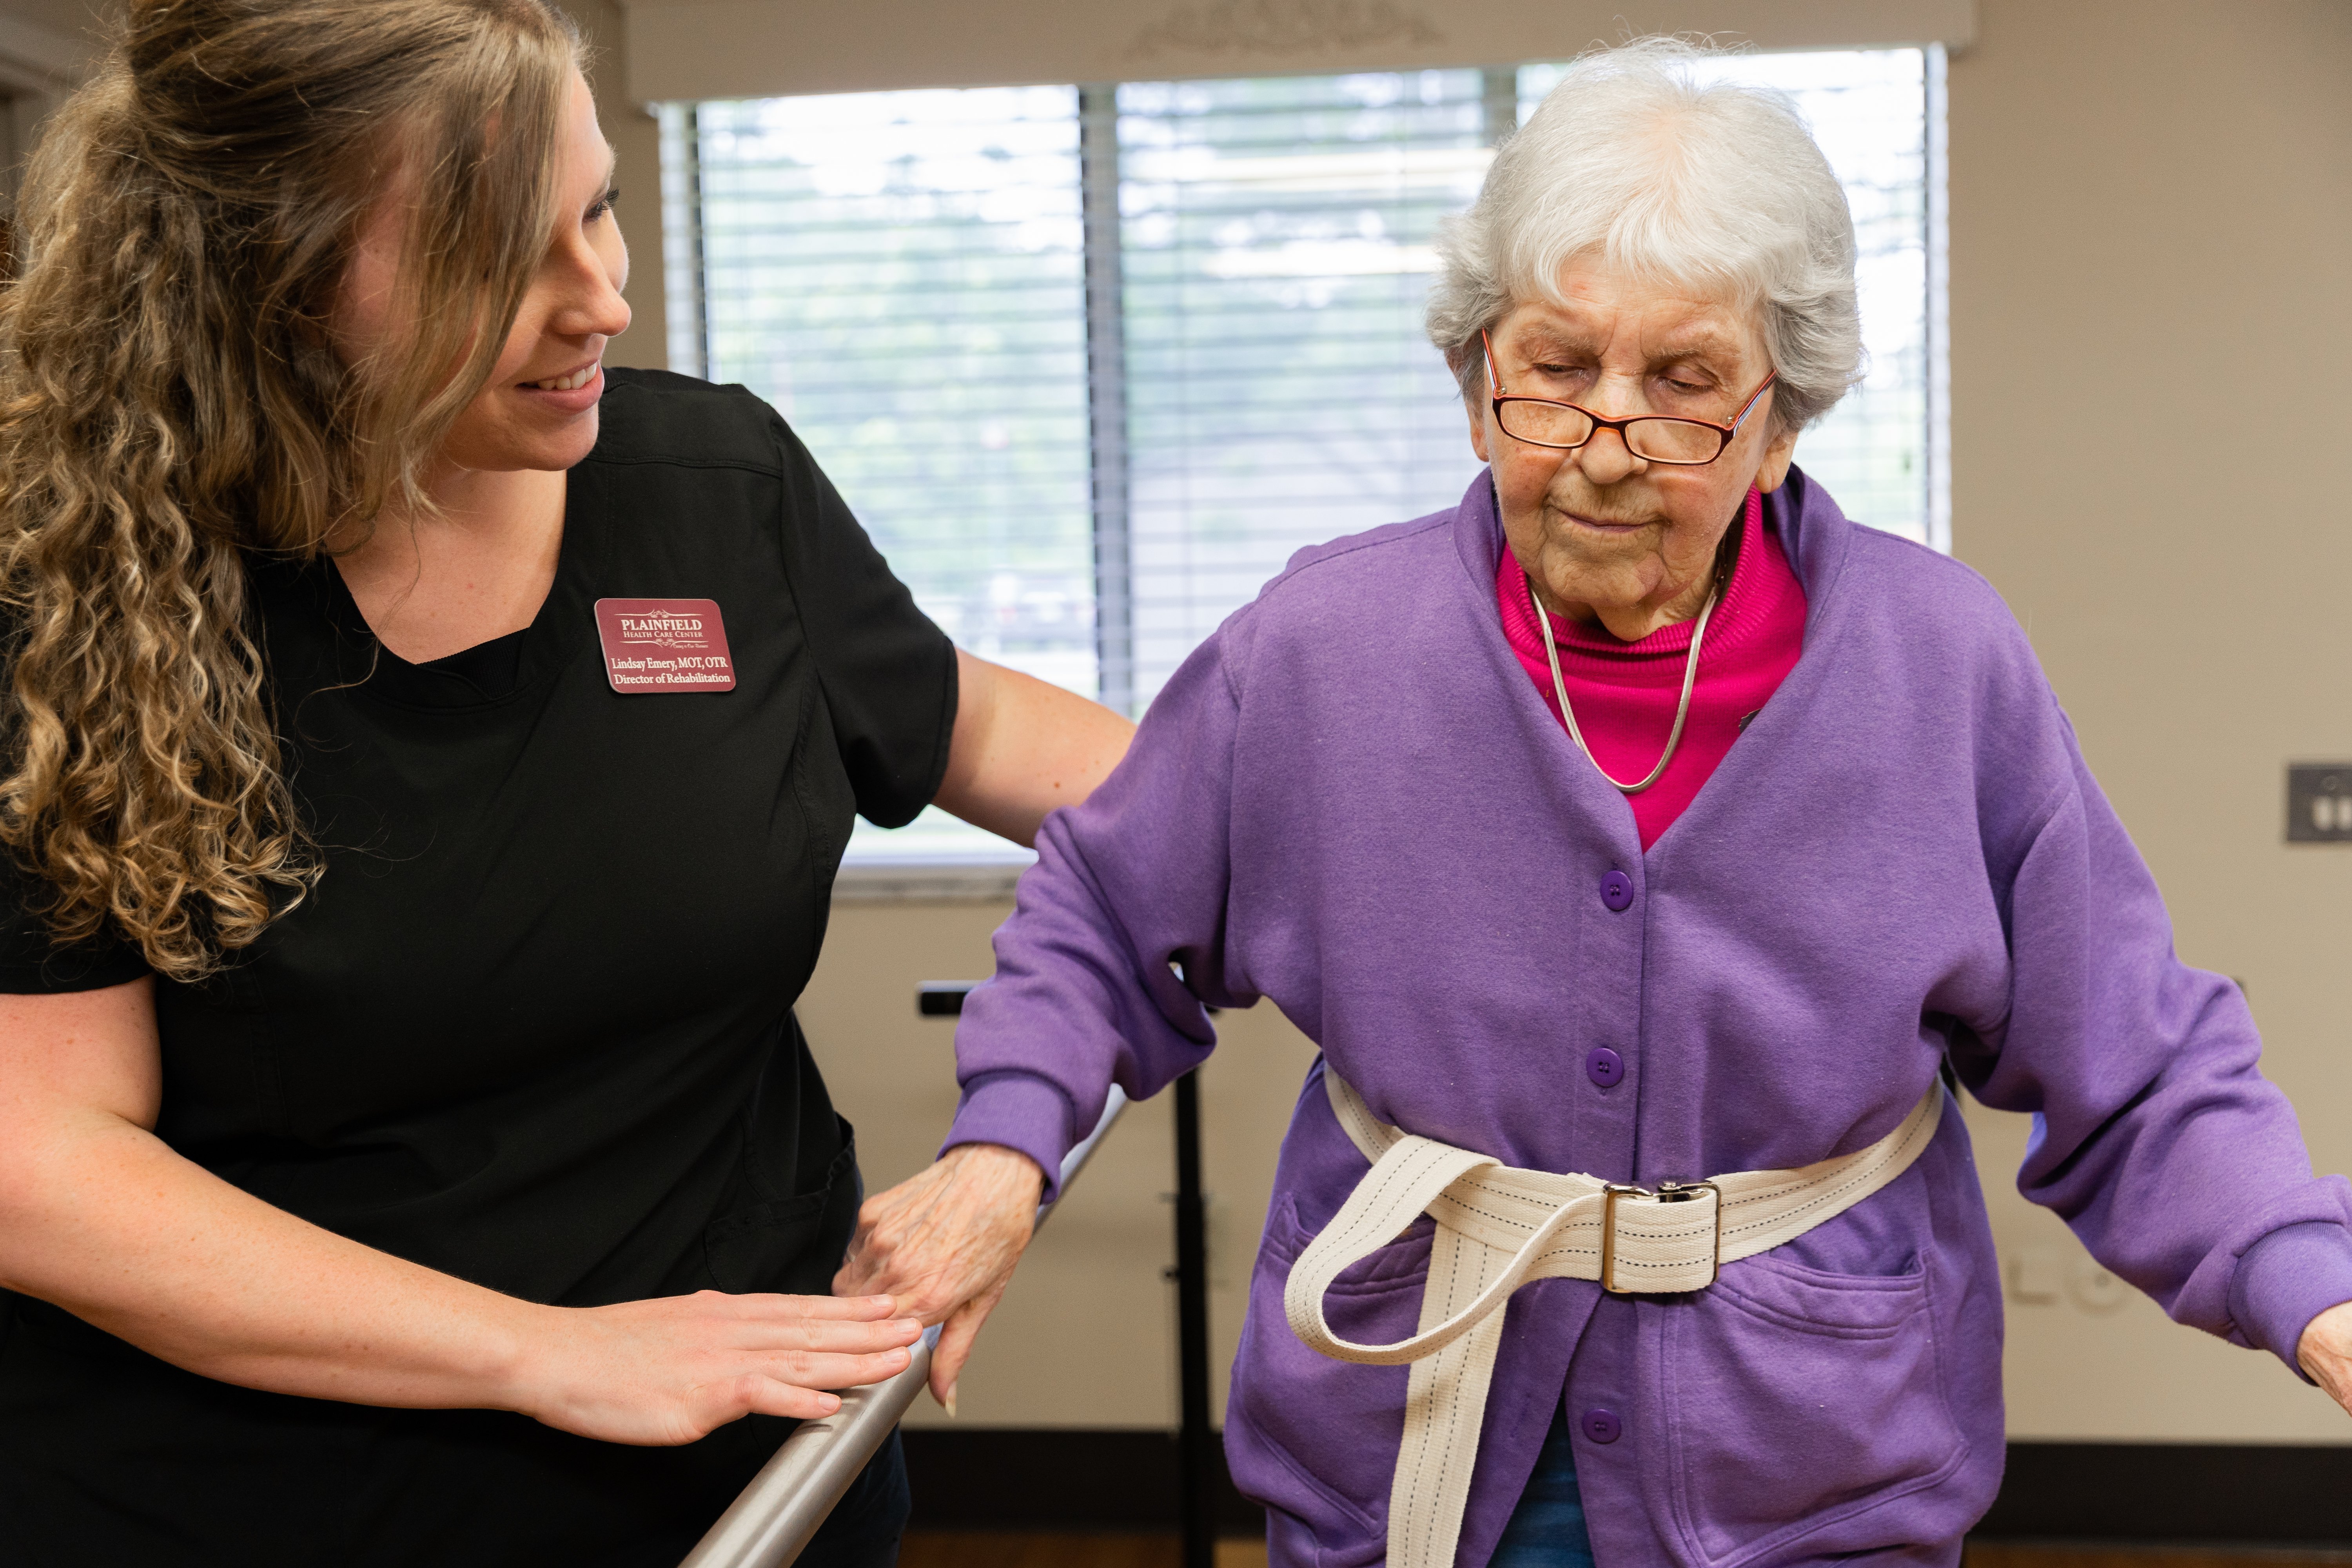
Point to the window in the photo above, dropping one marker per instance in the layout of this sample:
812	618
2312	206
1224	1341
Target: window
1277	251
1091	363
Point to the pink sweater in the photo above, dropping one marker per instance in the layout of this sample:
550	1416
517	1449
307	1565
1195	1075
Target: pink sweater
1624	693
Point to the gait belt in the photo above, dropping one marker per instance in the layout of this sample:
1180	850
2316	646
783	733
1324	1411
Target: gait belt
1499	1227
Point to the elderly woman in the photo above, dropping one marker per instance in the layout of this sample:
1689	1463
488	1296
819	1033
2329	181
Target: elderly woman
1649	851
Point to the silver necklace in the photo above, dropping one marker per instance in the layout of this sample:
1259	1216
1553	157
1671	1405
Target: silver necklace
1682	709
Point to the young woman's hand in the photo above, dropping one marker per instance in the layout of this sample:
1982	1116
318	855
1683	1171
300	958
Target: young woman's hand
944	1243
2326	1353
673	1369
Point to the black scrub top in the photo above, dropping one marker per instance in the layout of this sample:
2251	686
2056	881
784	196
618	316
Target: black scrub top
533	1028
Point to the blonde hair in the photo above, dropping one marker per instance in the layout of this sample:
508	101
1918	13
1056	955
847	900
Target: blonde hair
171	402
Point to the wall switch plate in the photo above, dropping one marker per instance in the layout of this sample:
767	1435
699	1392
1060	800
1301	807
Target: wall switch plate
2319	803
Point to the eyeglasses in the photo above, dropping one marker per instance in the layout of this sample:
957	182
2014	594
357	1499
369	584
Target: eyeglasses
1653	438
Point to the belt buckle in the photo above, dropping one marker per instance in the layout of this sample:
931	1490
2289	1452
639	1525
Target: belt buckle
1610	1193
1688	1192
1666	1192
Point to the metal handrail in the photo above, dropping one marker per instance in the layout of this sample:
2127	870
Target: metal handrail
769	1524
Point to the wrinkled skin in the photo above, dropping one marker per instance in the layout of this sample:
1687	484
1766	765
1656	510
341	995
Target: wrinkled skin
1604	536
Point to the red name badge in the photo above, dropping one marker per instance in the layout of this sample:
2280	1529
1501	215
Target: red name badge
665	645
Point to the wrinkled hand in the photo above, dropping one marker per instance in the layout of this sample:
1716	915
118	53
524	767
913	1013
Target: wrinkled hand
2326	1353
943	1245
673	1369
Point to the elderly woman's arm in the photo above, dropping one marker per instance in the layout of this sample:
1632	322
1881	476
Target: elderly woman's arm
2326	1353
1127	890
2157	1138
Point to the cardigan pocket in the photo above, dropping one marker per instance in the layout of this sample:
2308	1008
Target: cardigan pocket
1792	1398
1310	1415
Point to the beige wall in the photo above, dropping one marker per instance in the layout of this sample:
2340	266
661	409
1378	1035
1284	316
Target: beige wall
70	18
2151	300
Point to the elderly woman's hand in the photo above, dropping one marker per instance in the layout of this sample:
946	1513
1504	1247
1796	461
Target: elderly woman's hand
2326	1353
944	1244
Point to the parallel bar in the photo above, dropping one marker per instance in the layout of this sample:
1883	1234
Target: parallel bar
777	1514
1197	1441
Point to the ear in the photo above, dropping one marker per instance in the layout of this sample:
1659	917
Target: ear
1477	412
1778	452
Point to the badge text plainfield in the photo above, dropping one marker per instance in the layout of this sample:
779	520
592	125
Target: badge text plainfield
654	645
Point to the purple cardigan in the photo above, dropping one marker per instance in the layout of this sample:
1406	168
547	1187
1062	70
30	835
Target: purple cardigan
1351	799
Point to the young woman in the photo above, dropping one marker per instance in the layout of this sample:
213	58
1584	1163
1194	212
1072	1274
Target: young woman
429	753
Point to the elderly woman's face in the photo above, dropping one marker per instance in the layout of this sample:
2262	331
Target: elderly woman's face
1603	535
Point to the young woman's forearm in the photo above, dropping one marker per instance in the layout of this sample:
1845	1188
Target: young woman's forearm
101	1217
1021	747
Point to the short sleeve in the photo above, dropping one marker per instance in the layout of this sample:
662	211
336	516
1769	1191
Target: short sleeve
887	670
32	964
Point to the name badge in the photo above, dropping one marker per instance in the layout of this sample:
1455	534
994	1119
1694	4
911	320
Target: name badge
665	645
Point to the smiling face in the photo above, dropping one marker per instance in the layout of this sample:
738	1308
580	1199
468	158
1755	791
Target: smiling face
539	408
1602	533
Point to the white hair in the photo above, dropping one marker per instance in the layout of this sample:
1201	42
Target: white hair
1632	161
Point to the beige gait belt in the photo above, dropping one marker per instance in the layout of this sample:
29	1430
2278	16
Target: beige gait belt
1499	1227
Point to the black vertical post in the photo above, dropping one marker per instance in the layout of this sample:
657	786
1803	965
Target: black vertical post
1196	1441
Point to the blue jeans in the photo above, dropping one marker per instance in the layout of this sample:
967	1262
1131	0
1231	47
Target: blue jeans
1547	1529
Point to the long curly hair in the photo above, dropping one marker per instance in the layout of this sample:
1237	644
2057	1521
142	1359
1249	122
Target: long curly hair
173	402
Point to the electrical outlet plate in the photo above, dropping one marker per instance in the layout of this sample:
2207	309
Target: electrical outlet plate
2319	803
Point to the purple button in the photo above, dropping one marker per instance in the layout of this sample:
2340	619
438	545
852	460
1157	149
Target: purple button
1604	1067
1617	891
1602	1427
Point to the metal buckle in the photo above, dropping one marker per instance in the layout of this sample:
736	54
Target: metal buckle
1610	1193
1666	1192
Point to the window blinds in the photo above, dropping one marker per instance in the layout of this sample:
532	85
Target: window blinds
902	275
1280	392
906	275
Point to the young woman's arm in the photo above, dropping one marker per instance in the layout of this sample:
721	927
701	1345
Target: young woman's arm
1021	747
101	1217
